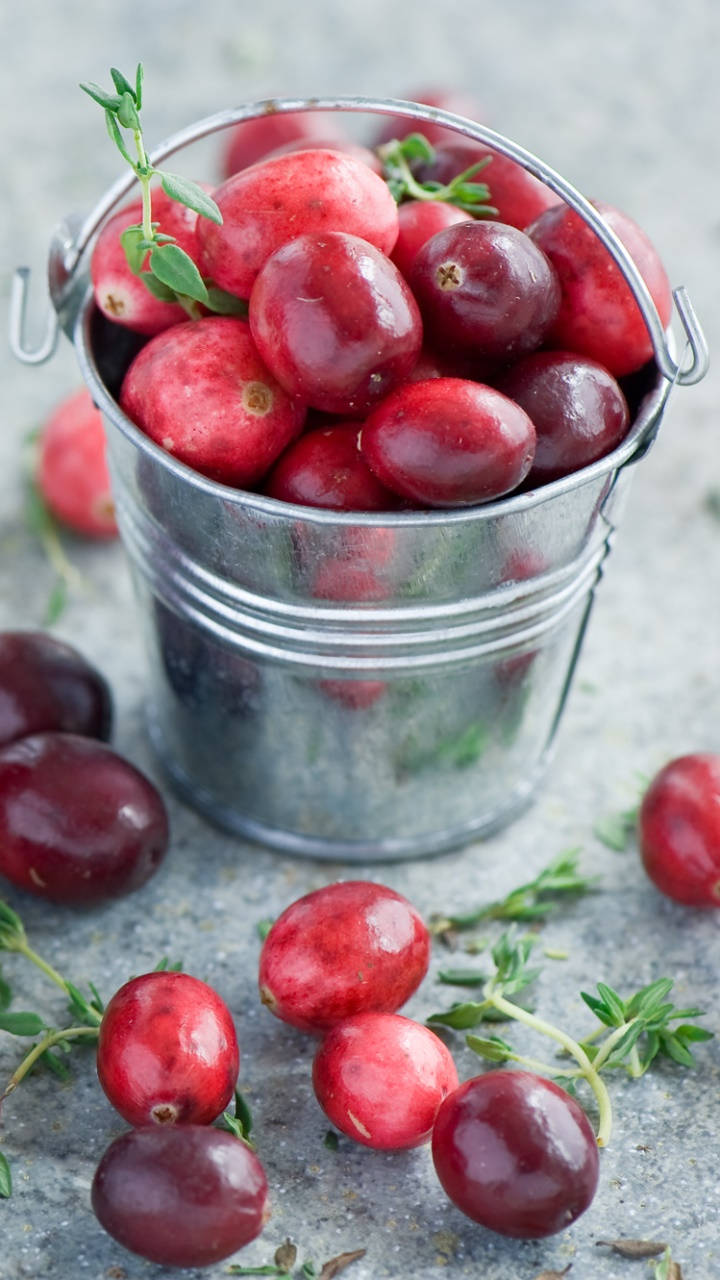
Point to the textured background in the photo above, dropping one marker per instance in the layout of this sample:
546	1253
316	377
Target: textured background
624	101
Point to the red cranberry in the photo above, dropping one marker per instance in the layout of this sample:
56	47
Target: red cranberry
419	220
516	1153
380	1078
576	406
78	823
251	140
350	947
485	286
325	468
72	472
46	684
679	830
168	1051
598	315
182	1196
448	442
335	322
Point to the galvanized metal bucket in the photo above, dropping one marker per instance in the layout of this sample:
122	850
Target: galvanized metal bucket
344	685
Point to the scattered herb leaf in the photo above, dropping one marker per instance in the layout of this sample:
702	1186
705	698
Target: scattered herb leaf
397	158
5	1178
634	1248
529	902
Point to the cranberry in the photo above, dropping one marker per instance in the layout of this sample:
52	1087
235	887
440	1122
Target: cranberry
598	315
454	100
334	321
46	684
253	140
347	948
120	294
326	143
201	391
577	408
517	195
72	472
380	1078
78	823
324	468
306	192
516	1153
449	442
183	1196
167	1051
418	220
485	286
679	830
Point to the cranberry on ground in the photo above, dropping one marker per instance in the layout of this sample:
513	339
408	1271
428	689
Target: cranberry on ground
72	472
679	830
46	684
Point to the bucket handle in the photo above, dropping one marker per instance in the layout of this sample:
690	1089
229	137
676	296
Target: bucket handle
72	238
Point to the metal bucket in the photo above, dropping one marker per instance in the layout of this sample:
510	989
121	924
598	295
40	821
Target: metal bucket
354	686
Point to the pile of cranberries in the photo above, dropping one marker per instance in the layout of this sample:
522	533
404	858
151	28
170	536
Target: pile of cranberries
393	356
78	822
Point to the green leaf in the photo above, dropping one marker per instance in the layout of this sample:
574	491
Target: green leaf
331	1140
175	268
126	112
599	1008
139	76
5	993
415	146
263	928
133	242
686	1032
115	136
189	193
107	100
614	1005
462	977
225	304
56	1064
121	84
675	1049
157	288
5	1178
494	1048
21	1024
12	930
616	829
459	1016
56	602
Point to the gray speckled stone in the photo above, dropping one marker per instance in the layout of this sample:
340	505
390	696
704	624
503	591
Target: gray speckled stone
624	101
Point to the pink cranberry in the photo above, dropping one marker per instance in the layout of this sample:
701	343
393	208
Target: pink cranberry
72	471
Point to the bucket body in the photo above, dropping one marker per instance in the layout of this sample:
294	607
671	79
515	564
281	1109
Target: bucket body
354	686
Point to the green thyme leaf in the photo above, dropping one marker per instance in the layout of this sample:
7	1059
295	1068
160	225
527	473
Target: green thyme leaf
176	269
115	136
139	74
5	1178
460	1016
56	603
157	288
5	993
134	248
225	304
121	84
21	1023
494	1048
109	101
189	193
331	1140
127	112
462	977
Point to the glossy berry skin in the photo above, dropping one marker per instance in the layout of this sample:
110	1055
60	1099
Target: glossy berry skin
335	322
380	1078
350	947
47	684
303	193
517	195
182	1196
448	442
78	823
120	294
679	830
577	408
418	220
516	1153
201	391
252	140
167	1052
598	315
72	472
326	143
325	468
486	287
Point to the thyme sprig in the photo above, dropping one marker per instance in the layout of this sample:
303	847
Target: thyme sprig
170	274
397	158
632	1034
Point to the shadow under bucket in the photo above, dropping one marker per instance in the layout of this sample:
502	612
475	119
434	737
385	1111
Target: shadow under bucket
355	686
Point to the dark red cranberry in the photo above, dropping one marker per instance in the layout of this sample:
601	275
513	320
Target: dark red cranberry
78	823
578	410
335	322
183	1196
46	684
516	1153
325	468
486	287
419	220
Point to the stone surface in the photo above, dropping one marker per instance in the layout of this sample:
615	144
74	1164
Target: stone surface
623	100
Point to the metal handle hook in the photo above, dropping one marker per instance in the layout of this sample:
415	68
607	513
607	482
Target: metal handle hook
17	322
696	341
